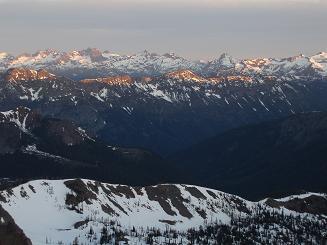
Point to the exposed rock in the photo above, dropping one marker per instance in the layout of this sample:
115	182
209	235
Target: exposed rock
21	74
163	193
312	204
10	233
186	75
80	193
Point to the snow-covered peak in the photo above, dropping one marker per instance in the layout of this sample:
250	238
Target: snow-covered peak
4	60
45	53
147	63
34	61
296	63
226	60
298	59
320	62
225	64
3	55
320	56
77	58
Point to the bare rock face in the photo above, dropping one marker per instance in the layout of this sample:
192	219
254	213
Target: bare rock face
10	233
312	204
94	54
21	74
44	74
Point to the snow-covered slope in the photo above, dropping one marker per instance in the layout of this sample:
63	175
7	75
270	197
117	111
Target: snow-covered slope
60	210
93	62
56	206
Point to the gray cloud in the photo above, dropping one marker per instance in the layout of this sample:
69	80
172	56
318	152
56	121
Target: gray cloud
195	28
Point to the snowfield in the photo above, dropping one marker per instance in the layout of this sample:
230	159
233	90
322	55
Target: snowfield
52	211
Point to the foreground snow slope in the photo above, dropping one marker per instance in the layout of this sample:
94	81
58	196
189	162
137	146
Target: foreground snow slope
42	208
60	210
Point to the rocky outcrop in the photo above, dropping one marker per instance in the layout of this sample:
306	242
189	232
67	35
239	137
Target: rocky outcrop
21	74
312	203
10	233
186	75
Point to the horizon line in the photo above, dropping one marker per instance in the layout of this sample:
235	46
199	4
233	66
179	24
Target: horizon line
156	53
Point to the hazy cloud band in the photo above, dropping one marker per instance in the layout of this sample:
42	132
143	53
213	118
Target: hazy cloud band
193	28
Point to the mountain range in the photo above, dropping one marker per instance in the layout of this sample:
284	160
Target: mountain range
164	113
92	62
252	161
72	122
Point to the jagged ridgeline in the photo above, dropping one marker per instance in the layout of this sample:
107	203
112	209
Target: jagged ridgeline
253	127
94	63
168	110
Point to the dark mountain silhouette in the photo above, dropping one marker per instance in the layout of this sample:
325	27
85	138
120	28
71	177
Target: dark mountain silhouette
36	147
277	157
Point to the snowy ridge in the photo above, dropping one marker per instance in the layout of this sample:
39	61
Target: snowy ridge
301	196
188	207
146	63
65	209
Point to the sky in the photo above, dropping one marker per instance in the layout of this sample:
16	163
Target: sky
196	29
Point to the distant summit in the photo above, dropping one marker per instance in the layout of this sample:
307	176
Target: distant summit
92	62
186	75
